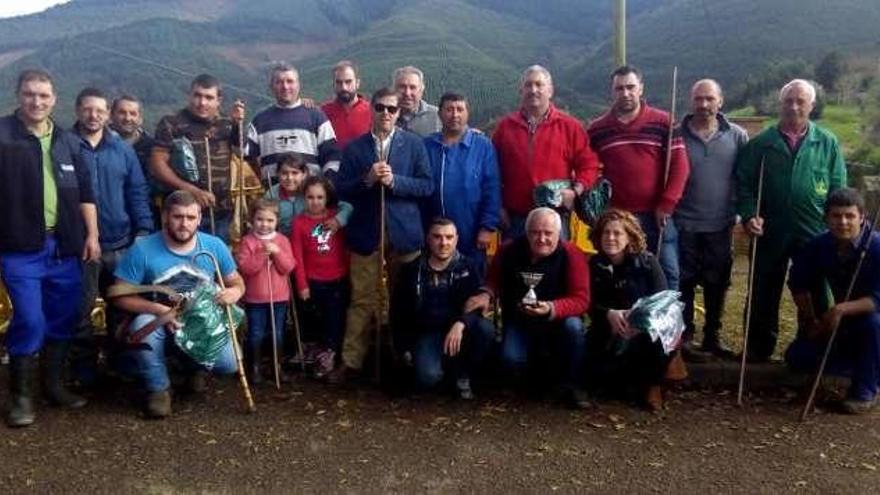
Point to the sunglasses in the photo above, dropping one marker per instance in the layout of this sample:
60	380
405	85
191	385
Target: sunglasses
381	108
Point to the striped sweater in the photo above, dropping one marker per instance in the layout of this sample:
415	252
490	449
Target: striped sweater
633	157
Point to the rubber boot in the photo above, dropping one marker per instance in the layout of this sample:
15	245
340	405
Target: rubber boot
55	359
21	378
252	359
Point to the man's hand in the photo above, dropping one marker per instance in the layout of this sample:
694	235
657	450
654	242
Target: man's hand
480	301
378	171
204	198
452	344
540	308
237	112
305	294
755	226
92	249
829	321
484	238
619	324
332	224
661	218
568	197
228	296
307	102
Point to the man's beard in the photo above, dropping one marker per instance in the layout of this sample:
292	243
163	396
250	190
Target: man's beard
181	236
345	96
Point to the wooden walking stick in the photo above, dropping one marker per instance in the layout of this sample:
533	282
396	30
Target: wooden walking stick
753	247
849	290
275	366
242	198
209	168
382	281
249	398
668	163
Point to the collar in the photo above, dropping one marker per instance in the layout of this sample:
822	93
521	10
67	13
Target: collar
295	104
50	128
467	139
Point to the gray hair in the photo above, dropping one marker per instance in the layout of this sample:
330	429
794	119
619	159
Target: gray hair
280	68
543	211
803	83
406	71
713	82
533	69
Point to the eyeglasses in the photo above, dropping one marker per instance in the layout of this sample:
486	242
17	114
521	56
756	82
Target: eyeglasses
382	108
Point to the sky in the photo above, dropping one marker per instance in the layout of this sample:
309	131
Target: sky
9	8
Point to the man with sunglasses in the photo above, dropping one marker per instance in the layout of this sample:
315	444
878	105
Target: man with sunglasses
394	159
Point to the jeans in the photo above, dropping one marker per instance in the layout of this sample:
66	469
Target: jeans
258	321
564	340
668	256
429	359
326	313
150	362
45	292
856	353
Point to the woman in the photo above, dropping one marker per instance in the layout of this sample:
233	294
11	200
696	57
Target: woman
623	358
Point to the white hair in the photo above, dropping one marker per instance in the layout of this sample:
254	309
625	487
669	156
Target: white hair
713	82
803	83
533	69
543	211
408	70
280	68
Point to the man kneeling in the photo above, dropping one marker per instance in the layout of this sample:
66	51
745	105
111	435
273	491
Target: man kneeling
170	258
543	285
427	312
830	260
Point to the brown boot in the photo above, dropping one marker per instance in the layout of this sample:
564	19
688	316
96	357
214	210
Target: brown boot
159	404
676	370
654	398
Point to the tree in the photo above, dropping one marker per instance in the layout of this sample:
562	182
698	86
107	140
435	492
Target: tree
830	69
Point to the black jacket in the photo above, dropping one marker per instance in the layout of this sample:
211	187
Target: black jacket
619	287
22	224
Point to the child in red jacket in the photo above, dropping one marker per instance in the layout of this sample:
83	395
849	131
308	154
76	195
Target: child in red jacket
265	260
323	259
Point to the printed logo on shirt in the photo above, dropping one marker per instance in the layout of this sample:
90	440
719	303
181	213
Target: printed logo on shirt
66	167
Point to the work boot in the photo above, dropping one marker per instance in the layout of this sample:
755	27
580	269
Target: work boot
676	370
55	361
713	345
340	375
653	400
21	378
692	354
252	366
159	404
197	382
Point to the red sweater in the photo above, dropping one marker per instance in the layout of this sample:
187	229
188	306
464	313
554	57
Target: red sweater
558	149
349	124
634	159
319	256
252	260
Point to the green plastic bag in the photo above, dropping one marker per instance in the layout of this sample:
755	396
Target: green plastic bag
549	193
183	160
660	316
205	331
592	203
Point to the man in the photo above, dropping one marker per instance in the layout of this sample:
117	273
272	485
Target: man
631	140
802	164
831	259
466	185
350	112
543	287
190	128
288	126
427	312
395	160
170	258
704	216
127	119
539	143
48	223
122	199
416	115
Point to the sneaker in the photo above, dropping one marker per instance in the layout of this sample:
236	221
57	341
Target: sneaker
463	386
692	354
339	375
855	406
159	404
716	348
324	363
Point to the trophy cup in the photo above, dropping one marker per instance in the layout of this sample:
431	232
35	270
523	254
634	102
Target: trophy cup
532	280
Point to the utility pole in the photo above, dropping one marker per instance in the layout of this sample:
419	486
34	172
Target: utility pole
619	32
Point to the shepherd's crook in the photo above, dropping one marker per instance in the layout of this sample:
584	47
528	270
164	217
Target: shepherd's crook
210	181
668	162
753	246
382	282
235	348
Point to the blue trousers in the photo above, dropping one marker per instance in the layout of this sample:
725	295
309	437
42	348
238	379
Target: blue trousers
258	319
150	363
668	255
856	353
326	310
428	357
45	291
565	341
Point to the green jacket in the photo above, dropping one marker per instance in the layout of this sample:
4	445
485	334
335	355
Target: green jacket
795	187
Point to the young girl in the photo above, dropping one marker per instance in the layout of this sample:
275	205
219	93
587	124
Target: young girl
292	171
265	260
319	248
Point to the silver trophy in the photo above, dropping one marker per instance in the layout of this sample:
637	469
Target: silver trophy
532	280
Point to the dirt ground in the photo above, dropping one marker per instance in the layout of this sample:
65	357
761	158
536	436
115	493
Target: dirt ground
311	438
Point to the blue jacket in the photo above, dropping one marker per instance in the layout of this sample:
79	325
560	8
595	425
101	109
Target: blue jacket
412	181
121	192
467	189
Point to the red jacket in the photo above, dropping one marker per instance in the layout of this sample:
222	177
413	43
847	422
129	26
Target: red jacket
349	124
252	262
633	157
558	149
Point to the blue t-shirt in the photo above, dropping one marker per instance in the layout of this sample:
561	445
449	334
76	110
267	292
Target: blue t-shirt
149	261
